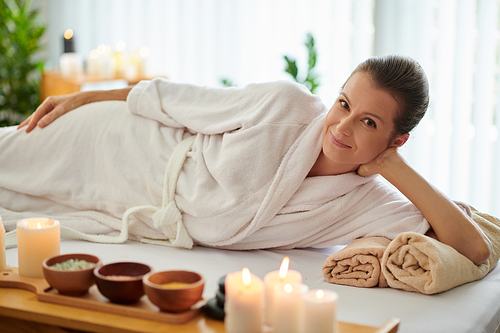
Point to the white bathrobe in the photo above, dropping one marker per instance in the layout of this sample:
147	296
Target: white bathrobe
242	181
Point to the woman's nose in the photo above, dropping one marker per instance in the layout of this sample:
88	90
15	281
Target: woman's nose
345	126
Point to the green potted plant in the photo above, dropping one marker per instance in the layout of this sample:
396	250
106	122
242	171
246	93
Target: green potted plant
20	72
311	79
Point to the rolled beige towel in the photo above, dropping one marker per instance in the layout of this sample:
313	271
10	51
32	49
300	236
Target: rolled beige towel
415	262
358	264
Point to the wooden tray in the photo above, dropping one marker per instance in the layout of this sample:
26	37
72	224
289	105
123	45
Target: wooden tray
95	301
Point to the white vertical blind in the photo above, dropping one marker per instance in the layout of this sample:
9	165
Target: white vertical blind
484	90
456	146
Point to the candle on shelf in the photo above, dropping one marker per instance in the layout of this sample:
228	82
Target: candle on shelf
284	275
244	302
70	63
106	62
3	261
93	63
319	307
37	239
69	42
287	304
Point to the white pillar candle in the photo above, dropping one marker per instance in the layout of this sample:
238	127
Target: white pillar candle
37	239
244	302
284	275
319	309
3	261
70	64
288	307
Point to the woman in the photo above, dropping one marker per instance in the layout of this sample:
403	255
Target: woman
246	168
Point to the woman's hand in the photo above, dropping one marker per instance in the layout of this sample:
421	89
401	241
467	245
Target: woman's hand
386	159
55	106
52	108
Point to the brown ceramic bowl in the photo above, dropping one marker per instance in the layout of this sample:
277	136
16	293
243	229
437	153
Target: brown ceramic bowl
121	282
174	291
69	282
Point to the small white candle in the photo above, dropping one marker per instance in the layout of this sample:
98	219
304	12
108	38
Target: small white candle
319	309
244	302
37	239
3	261
284	275
288	307
70	64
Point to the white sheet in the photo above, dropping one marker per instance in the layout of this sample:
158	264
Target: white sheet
474	307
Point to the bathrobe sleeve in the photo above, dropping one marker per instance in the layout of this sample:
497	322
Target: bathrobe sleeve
209	110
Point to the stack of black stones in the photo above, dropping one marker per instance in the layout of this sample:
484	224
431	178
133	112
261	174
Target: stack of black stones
215	307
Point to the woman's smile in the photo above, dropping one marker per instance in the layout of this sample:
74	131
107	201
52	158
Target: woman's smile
339	143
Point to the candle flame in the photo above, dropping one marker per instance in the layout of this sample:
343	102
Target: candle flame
245	275
288	288
284	268
320	293
38	225
68	34
120	46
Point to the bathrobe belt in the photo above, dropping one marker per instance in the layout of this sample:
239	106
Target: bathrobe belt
168	218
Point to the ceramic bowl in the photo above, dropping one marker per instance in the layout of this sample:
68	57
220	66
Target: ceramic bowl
121	282
68	282
174	291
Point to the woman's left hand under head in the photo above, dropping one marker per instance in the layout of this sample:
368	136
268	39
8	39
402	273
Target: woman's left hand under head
389	157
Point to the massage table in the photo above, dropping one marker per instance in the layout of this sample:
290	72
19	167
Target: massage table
473	307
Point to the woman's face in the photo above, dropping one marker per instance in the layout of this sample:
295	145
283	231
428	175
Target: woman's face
359	125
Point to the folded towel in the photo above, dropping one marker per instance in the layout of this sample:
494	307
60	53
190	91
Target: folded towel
358	264
415	262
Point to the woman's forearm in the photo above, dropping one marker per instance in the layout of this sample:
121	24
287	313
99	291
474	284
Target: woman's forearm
105	95
55	106
449	223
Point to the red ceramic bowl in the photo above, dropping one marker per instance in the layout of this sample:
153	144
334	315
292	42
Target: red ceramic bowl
68	282
174	291
121	282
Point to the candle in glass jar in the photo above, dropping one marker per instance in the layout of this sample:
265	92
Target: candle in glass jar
318	313
244	302
3	261
37	239
284	275
287	304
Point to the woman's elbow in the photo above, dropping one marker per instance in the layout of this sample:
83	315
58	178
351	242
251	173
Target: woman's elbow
481	253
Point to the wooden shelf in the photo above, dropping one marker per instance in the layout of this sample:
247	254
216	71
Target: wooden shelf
54	84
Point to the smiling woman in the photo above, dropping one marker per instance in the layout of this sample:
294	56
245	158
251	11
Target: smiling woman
358	127
316	187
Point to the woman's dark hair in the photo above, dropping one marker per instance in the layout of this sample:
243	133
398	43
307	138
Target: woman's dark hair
404	78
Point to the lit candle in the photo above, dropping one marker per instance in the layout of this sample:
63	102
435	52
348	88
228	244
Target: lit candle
70	63
69	42
3	261
284	275
287	304
106	62
244	302
319	311
37	239
93	63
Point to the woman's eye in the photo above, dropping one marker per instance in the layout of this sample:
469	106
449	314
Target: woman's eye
370	123
344	104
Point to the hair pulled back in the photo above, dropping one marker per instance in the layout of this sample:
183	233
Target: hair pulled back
406	81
